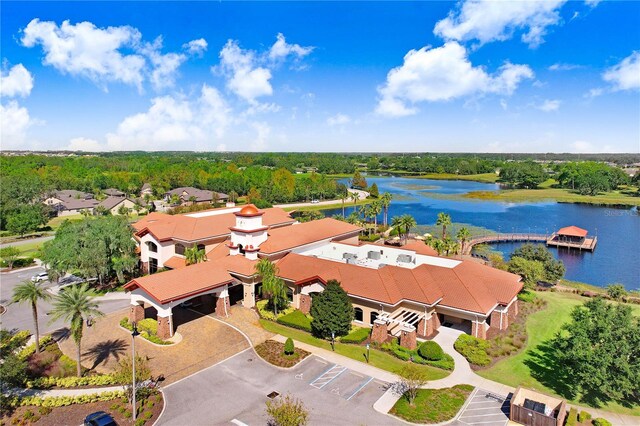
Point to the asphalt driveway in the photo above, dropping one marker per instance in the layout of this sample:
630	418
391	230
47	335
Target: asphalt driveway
235	392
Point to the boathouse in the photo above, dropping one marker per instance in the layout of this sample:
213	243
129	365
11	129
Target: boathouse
572	237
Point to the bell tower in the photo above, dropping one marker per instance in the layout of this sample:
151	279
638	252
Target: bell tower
248	233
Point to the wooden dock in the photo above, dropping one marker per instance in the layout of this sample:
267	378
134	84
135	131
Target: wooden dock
552	240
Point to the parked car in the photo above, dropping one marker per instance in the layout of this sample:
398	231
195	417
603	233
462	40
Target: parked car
42	276
314	201
99	418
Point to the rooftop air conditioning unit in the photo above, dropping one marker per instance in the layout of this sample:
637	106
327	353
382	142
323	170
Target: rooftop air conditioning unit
404	258
375	255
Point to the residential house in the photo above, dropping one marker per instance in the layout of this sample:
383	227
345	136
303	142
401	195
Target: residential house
112	192
189	195
70	202
146	189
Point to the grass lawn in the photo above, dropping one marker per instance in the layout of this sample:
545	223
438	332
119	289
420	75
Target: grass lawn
57	221
530	368
29	249
379	359
482	177
554	194
433	405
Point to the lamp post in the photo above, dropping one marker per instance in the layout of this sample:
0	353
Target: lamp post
367	353
134	333
333	337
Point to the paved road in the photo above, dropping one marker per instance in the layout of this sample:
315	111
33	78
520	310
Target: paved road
361	194
27	241
235	392
20	316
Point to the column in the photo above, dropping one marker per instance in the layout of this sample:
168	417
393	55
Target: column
408	337
304	303
249	295
136	312
379	333
222	306
165	327
479	329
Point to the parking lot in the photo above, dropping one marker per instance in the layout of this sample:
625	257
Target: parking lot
484	408
236	390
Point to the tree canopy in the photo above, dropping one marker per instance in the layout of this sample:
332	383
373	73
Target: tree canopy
526	174
553	269
331	311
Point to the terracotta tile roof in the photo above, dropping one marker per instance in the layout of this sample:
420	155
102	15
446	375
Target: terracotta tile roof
420	248
189	228
573	231
281	239
181	283
469	286
175	262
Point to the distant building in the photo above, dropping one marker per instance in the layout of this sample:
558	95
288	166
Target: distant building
69	202
533	408
189	195
112	192
146	189
114	203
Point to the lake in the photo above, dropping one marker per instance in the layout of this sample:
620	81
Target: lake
616	258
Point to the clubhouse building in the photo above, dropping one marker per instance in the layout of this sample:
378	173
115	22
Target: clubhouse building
406	291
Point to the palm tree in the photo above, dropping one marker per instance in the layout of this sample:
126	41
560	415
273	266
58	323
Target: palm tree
354	197
194	255
450	246
385	200
408	222
463	235
375	209
396	222
444	220
30	292
265	268
438	245
74	305
344	197
272	287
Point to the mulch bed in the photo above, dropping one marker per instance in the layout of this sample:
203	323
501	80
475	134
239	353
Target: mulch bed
75	414
273	352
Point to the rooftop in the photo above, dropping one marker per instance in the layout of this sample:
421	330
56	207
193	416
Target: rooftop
572	231
287	238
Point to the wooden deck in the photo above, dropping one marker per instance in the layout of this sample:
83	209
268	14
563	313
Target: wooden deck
552	240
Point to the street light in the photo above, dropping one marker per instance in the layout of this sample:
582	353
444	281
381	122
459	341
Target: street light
134	333
367	353
333	337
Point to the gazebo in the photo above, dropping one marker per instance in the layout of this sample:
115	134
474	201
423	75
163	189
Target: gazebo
572	234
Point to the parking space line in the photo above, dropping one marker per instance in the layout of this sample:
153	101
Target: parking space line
487	408
360	388
485	415
328	376
330	368
487	423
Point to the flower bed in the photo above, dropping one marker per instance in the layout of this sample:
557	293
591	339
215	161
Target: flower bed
445	362
72	381
432	405
273	352
268	314
147	331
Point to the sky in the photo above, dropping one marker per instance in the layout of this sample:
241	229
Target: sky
467	76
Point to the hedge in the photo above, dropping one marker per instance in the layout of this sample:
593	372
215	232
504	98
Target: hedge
61	401
473	349
268	314
430	350
601	422
572	418
583	416
406	354
296	319
73	381
357	335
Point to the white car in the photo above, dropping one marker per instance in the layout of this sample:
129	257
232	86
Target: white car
314	201
42	276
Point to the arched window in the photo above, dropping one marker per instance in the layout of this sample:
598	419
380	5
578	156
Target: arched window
241	249
153	247
373	317
179	248
358	315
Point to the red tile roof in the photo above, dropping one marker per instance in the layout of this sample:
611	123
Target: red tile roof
572	231
175	262
192	228
420	248
285	238
469	286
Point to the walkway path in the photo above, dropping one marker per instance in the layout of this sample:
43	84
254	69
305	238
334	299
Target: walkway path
247	321
27	241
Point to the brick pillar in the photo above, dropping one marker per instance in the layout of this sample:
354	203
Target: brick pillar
513	309
479	330
144	267
379	332
136	313
436	321
304	302
164	327
408	338
223	306
422	328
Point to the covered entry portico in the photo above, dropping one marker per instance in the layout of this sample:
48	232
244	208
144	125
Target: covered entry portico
177	286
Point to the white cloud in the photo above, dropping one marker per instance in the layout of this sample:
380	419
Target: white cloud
165	66
84	144
490	20
338	120
592	3
564	67
262	135
18	81
549	105
281	49
593	93
504	104
244	78
626	74
173	121
221	147
442	74
85	50
14	123
196	47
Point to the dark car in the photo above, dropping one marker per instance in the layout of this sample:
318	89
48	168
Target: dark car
99	418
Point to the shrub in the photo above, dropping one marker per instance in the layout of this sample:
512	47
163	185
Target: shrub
405	354
526	296
44	410
288	347
31	349
601	422
296	319
572	418
267	313
473	349
430	350
73	381
61	401
149	325
357	335
584	416
124	323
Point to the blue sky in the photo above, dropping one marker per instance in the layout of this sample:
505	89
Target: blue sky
471	76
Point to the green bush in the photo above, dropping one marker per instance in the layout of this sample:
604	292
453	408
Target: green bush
61	401
584	416
601	422
21	338
473	349
73	381
149	325
31	349
430	350
405	354
572	418
154	339
296	319
357	335
288	347
124	323
526	296
267	313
